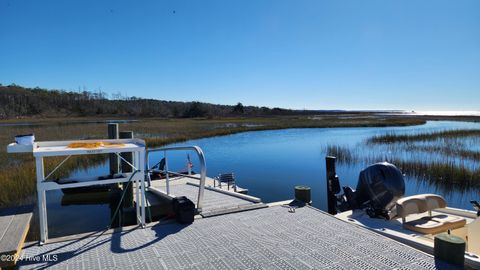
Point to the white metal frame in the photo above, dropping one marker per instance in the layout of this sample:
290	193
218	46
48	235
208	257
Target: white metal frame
203	169
59	148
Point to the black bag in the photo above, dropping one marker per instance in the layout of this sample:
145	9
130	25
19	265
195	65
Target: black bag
184	210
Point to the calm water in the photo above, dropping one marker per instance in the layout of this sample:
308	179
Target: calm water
270	164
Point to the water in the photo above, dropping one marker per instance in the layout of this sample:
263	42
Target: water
433	113
271	163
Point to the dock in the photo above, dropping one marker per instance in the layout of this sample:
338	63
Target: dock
275	237
212	228
14	225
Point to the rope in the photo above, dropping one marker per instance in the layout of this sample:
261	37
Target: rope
124	192
128	184
121	199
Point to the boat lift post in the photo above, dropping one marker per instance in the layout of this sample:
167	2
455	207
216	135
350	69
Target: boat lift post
41	150
333	185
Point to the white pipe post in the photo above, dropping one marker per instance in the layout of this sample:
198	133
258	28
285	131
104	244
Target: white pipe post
167	179
42	204
203	174
141	167
147	161
137	190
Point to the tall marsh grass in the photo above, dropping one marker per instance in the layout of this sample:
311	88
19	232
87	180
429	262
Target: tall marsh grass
446	159
447	175
343	154
423	137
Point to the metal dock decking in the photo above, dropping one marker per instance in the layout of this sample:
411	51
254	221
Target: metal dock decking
277	237
232	230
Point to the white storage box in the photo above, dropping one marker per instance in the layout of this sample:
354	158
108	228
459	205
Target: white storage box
27	139
19	148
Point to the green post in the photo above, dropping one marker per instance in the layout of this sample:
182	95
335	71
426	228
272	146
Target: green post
113	159
303	194
449	248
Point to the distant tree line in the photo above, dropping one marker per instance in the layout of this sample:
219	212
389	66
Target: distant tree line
17	101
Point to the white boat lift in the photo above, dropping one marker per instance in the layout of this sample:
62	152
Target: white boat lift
41	150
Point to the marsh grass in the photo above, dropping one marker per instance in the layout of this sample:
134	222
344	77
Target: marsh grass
19	182
446	159
447	175
423	137
341	153
450	150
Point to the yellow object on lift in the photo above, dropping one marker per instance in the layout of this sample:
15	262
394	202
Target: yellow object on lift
94	145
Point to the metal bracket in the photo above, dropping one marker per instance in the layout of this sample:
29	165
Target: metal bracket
56	168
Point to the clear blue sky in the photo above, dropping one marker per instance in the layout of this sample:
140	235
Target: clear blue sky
337	54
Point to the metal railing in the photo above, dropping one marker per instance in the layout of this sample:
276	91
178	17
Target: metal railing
203	169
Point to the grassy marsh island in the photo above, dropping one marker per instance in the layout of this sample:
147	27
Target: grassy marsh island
424	137
448	159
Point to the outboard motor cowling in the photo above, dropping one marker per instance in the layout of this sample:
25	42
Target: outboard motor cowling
379	187
382	184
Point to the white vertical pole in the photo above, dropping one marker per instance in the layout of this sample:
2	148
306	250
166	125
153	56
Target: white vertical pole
203	175
42	204
167	179
147	165
141	167
137	190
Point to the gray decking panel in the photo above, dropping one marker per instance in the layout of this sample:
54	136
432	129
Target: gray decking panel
268	238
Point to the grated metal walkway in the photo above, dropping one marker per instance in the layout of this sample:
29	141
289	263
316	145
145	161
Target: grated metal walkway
268	238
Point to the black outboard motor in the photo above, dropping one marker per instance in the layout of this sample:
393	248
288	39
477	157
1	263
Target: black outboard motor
379	187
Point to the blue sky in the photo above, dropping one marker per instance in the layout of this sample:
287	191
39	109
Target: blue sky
338	54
